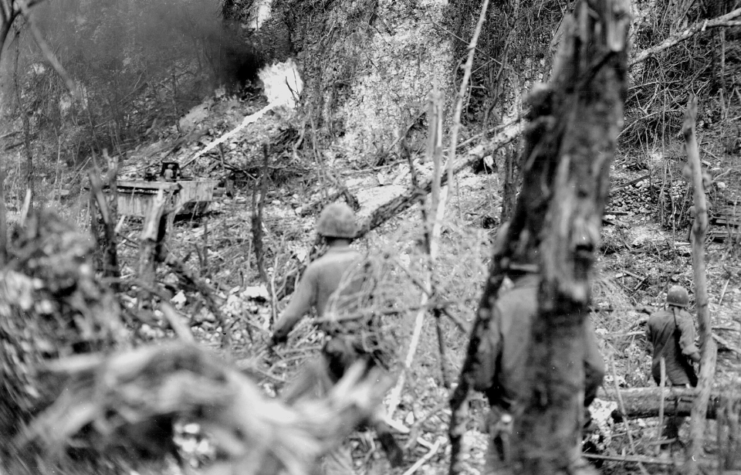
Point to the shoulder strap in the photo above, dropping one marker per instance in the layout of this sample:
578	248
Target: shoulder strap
676	324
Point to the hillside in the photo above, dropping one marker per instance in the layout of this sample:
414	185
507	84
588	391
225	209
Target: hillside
332	101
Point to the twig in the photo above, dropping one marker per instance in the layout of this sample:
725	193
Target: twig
622	409
661	399
175	320
455	441
419	463
631	182
723	293
700	26
629	458
431	233
3	221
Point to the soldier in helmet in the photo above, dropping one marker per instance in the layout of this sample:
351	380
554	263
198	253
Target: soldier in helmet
499	371
320	281
672	336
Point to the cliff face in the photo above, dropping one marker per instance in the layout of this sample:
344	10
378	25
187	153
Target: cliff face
368	65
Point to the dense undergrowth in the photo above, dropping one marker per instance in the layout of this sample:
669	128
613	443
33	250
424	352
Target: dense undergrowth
134	96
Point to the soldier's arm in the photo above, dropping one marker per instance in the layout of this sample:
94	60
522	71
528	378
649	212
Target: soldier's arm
687	338
594	364
301	302
649	336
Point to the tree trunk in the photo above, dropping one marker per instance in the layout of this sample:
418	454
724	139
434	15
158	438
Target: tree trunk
707	344
509	189
103	218
641	403
569	147
569	144
151	241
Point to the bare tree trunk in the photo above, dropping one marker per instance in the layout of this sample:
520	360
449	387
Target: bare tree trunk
103	223
569	145
573	135
258	204
707	344
151	239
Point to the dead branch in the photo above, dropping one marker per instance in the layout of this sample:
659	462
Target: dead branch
431	233
675	39
106	248
258	204
3	221
629	459
151	236
177	322
398	205
708	347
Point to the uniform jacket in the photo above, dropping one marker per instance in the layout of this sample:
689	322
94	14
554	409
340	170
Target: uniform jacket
674	340
320	280
499	370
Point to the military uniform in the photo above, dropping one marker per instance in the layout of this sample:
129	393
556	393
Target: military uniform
672	337
320	280
318	287
500	370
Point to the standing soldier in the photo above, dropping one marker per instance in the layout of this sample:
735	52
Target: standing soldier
501	357
320	281
672	336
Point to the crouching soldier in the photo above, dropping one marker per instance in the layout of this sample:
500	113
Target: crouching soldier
319	287
502	355
672	337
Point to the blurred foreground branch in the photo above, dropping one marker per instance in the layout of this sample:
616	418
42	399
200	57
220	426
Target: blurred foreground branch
120	402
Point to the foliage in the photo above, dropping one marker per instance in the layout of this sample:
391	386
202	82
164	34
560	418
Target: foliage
51	306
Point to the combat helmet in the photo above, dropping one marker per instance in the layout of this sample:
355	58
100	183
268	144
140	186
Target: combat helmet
677	296
337	221
522	263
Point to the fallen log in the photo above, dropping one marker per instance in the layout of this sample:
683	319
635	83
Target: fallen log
403	202
641	403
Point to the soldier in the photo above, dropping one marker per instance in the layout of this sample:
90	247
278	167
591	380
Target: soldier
320	281
672	336
502	355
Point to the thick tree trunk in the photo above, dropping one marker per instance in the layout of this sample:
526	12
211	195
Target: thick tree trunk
569	144
569	147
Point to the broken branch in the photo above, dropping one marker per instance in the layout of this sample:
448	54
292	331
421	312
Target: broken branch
675	39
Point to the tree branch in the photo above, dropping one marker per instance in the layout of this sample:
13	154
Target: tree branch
699	27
